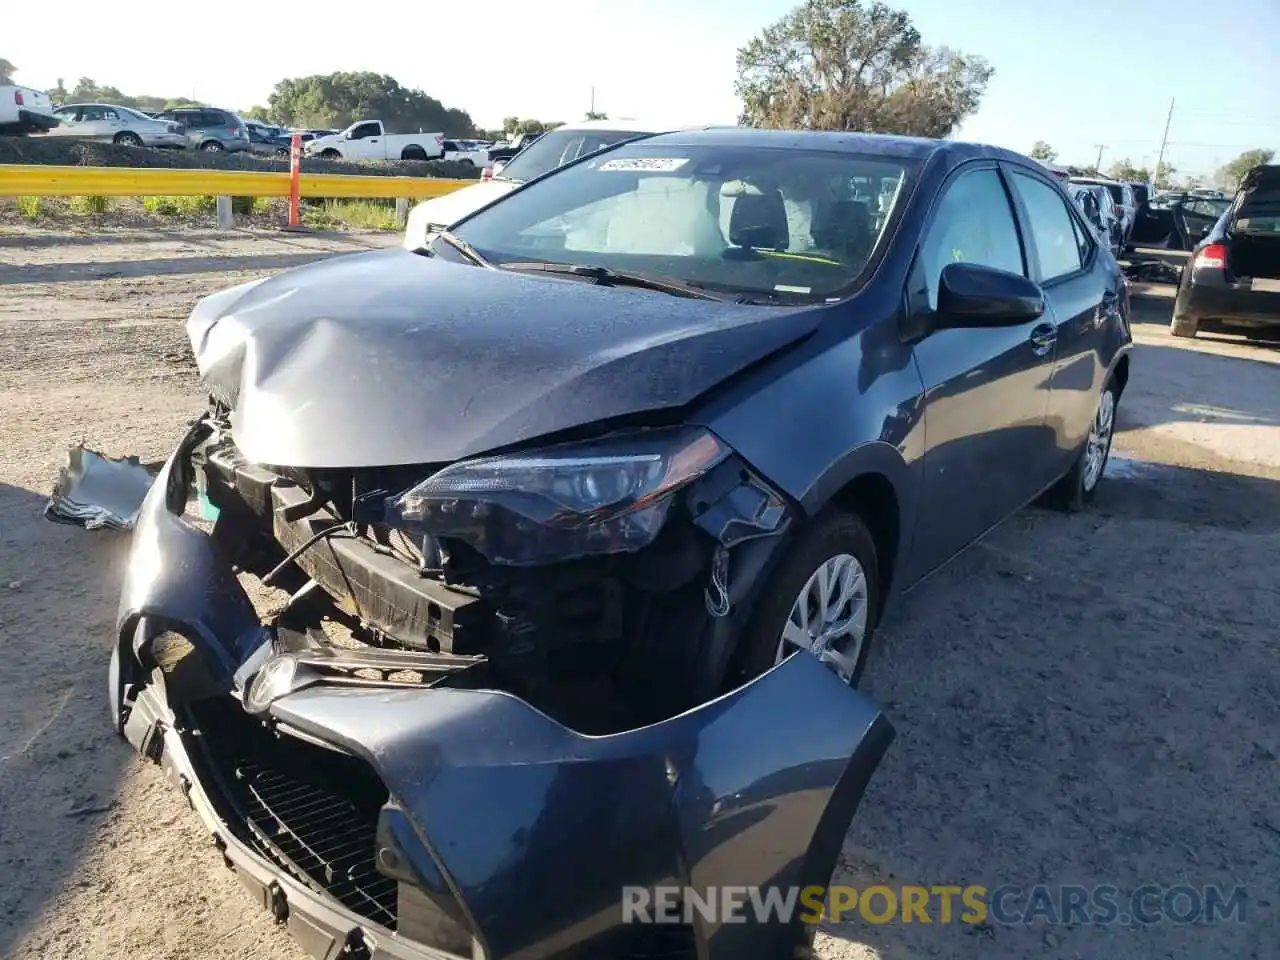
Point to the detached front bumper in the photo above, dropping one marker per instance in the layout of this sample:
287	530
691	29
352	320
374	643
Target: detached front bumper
431	822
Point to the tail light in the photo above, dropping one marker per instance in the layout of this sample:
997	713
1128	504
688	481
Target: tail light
1212	257
233	132
17	97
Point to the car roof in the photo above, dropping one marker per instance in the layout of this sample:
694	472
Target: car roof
876	144
628	125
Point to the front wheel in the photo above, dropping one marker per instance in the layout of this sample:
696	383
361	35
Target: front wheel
1078	487
824	601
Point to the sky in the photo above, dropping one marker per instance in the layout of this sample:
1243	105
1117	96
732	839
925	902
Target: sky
1075	73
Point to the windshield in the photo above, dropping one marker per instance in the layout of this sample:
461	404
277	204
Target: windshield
751	220
559	147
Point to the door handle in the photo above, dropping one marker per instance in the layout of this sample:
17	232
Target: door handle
1043	337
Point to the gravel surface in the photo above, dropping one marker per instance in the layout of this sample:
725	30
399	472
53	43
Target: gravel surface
1086	699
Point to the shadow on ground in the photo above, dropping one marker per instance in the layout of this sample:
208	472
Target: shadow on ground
1086	699
60	765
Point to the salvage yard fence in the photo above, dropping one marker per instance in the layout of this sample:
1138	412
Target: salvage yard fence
17	180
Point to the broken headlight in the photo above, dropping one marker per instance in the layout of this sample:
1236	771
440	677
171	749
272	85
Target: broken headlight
572	500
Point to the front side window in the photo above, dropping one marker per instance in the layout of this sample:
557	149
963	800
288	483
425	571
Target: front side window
559	147
799	223
364	131
1052	227
66	114
973	223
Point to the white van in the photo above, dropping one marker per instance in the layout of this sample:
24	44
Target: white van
549	151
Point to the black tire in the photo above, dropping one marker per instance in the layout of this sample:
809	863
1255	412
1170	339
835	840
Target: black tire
830	534
467	162
128	139
281	154
211	146
1183	326
331	154
1074	491
413	153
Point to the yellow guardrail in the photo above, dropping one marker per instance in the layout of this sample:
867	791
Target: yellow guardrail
17	180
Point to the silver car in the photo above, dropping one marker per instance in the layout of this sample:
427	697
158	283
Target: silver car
110	123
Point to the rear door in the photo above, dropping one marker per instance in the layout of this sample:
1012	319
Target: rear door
1254	230
1083	290
986	390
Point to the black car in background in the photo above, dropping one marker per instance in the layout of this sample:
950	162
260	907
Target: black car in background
586	515
1177	221
1233	275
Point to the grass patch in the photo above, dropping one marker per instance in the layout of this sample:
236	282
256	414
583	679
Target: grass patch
179	206
360	214
89	205
29	207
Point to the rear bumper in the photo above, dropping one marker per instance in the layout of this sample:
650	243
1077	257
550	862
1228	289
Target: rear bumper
526	831
30	121
1202	301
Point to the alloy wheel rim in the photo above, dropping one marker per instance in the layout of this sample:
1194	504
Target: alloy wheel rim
1095	458
829	617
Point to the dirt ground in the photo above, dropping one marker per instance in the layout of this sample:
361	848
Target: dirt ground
1090	699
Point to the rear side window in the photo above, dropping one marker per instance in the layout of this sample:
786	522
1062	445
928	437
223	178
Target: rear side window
1052	227
973	223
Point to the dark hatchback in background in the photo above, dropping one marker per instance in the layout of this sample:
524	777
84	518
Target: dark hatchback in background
1177	221
582	521
1233	276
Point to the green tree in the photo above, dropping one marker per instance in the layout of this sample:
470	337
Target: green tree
340	99
258	112
1164	174
514	126
1230	174
596	115
59	93
1125	170
853	65
7	70
1042	151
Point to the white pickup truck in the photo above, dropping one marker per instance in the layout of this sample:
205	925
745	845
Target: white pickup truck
464	153
24	110
369	140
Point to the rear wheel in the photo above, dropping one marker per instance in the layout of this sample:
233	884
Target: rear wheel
128	139
413	153
282	154
211	146
824	601
1183	326
1078	487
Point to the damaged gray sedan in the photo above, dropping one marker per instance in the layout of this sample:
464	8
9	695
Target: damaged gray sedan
580	524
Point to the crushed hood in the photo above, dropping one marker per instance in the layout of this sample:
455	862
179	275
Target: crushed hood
388	358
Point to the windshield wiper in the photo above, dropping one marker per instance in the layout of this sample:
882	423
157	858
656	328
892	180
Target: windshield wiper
464	248
606	277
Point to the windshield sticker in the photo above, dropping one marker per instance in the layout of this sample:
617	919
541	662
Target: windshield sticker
645	164
786	288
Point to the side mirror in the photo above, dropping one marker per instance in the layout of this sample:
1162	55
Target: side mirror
971	295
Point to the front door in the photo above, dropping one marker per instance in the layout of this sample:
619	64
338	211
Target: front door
986	390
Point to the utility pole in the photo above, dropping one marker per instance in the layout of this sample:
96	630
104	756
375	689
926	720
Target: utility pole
1164	140
592	111
1097	164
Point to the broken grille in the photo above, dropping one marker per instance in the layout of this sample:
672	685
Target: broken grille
311	810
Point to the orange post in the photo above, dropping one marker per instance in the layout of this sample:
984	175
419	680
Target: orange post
295	173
